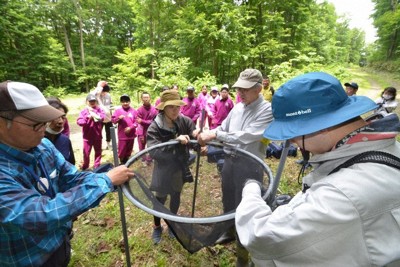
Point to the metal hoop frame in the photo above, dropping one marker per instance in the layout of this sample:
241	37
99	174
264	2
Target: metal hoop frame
200	220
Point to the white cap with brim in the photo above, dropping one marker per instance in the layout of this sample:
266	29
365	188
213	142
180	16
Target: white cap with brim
28	101
310	103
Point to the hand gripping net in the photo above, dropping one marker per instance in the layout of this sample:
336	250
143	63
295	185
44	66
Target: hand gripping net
201	219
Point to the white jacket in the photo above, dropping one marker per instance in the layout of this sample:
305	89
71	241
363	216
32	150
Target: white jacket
349	218
386	106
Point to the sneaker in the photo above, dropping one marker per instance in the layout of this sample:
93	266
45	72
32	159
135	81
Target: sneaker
170	233
156	236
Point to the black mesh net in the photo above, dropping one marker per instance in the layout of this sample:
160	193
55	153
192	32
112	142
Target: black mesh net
200	219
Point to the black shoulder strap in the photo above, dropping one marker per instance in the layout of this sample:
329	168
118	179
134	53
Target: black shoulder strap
371	156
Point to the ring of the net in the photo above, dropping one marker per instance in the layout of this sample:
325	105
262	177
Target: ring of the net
181	219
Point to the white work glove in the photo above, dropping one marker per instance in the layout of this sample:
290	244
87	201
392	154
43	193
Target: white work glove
253	187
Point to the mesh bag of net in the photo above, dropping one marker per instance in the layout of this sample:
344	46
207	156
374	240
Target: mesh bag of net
201	216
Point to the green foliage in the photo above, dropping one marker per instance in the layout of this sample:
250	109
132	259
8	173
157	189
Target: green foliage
23	43
140	45
296	66
131	73
59	92
206	79
392	66
387	21
172	71
56	63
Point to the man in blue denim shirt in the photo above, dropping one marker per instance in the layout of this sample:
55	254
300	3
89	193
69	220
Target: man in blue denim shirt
40	192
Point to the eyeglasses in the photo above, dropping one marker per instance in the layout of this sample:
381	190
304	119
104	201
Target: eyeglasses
35	127
243	90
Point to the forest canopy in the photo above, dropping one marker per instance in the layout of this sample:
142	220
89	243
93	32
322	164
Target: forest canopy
66	46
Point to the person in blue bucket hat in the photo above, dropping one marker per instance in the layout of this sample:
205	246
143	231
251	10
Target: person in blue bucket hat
348	212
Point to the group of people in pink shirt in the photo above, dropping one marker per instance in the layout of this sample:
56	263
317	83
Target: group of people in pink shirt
132	123
216	103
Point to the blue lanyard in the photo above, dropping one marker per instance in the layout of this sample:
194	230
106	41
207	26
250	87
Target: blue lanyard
48	189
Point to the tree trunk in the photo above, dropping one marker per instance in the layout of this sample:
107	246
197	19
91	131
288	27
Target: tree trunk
78	11
68	47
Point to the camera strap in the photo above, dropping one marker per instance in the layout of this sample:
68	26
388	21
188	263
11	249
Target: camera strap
368	156
371	156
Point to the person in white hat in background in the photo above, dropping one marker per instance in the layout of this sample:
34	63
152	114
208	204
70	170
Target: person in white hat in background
348	213
243	128
91	120
40	192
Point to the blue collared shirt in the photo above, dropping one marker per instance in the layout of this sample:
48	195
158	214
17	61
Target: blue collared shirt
33	224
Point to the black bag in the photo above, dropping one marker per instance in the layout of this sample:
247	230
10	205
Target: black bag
292	150
275	150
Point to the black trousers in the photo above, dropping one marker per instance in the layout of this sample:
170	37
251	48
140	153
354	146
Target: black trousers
108	126
60	257
235	172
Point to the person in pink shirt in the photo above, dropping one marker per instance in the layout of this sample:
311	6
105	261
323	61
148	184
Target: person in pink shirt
192	109
158	100
91	120
210	105
145	115
203	96
223	105
125	117
238	99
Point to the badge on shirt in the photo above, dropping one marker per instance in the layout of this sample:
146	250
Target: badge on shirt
43	185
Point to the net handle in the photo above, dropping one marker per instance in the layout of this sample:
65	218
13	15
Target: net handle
282	161
121	199
203	115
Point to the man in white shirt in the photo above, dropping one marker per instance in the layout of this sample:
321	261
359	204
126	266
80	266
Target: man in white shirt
244	129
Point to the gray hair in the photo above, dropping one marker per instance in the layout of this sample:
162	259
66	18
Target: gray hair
9	115
257	86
